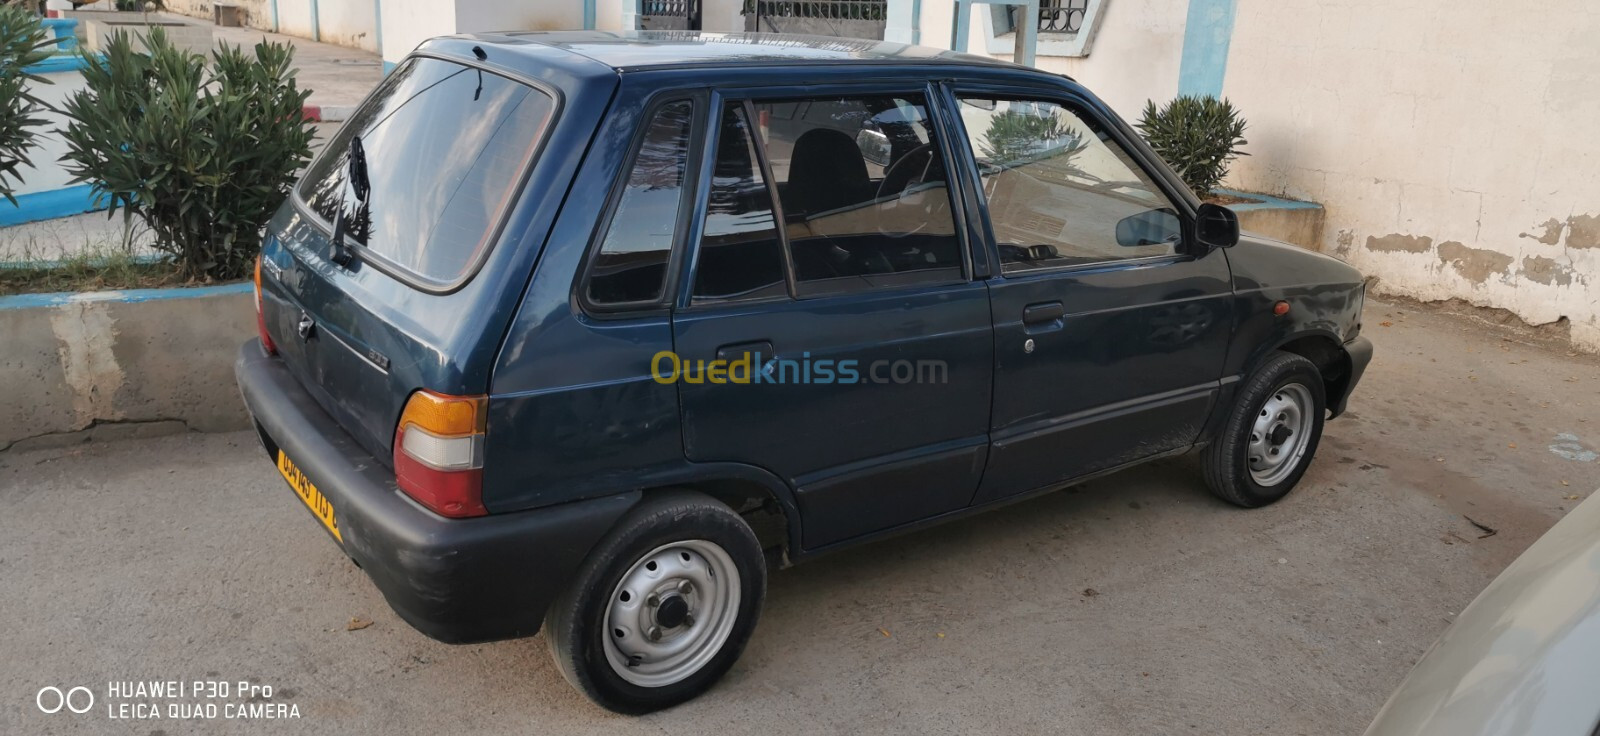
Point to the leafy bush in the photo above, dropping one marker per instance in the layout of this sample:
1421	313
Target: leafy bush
23	43
1198	137
1014	137
203	155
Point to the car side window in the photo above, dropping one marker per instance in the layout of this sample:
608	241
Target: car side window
631	265
1060	190
740	256
863	191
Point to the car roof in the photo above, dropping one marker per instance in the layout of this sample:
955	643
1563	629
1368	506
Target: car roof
633	50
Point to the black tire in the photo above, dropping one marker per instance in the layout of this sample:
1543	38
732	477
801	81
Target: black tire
575	626
1226	463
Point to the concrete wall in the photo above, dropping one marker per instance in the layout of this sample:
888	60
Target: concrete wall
74	361
47	173
1452	142
352	23
407	23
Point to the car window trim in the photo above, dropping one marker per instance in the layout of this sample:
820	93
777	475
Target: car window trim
686	209
496	230
1082	107
780	220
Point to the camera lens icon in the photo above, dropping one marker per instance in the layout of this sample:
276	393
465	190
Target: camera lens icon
51	700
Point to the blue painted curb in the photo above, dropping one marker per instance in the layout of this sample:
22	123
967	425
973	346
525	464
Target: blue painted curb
92	263
1265	202
38	301
59	63
51	204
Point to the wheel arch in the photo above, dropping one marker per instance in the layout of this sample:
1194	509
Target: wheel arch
764	500
1324	351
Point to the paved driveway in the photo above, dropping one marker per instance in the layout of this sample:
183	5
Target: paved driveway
1133	605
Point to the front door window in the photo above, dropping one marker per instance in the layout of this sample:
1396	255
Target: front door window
1061	191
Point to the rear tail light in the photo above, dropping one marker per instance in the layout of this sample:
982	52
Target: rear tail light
438	452
261	318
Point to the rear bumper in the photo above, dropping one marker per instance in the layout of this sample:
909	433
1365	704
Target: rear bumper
456	580
1360	352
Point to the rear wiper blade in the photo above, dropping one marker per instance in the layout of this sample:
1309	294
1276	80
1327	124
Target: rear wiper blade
356	178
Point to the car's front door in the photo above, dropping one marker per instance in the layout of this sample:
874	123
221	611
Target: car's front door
829	252
1110	332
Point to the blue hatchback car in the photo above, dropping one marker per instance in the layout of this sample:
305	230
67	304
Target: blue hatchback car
585	331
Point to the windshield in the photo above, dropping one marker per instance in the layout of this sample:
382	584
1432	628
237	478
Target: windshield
442	146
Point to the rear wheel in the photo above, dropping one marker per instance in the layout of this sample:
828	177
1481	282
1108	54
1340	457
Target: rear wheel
1270	435
663	606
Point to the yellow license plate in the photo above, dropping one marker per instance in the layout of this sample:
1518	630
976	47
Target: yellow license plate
308	493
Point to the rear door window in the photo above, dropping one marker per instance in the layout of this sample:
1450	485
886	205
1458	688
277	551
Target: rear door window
443	146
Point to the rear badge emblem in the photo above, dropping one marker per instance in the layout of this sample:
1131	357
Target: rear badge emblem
307	324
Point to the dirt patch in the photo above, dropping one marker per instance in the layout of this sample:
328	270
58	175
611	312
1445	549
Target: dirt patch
1555	337
1474	264
86	275
1226	199
1397	243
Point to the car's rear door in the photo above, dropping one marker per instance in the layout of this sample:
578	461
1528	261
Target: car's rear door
1110	334
870	395
449	156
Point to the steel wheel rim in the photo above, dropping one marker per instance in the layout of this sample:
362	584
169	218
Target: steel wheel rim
671	613
1280	434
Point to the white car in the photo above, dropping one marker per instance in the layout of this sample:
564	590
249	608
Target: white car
1524	658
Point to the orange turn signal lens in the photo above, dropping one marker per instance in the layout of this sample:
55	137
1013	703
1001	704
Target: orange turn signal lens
442	415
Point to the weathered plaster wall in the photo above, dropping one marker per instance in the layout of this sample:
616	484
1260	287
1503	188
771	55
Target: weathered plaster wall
1453	144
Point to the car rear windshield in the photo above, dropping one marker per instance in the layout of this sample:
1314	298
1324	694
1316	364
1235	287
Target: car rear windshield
424	170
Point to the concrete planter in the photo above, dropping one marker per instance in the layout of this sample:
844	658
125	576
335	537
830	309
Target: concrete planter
1289	220
96	27
72	362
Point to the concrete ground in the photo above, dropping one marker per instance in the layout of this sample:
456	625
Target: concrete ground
1136	604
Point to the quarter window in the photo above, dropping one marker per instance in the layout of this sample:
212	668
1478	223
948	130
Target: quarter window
631	265
1061	191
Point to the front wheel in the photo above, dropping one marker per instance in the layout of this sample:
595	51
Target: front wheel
1271	433
663	606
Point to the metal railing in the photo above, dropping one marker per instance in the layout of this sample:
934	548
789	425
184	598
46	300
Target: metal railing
669	8
1058	16
877	10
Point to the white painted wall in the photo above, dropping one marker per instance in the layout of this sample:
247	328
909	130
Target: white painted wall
1134	57
47	173
351	23
1453	142
407	23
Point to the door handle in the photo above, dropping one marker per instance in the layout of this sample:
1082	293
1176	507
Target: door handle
737	351
1043	313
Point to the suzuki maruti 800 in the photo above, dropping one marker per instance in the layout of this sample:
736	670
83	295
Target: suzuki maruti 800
584	332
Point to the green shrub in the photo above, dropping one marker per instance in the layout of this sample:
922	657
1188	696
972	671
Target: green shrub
202	155
23	43
1198	137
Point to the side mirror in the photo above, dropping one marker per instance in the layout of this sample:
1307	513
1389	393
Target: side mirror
1216	226
1150	227
874	145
